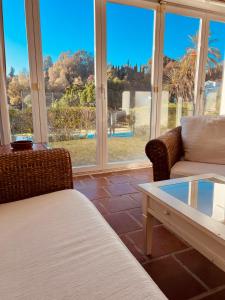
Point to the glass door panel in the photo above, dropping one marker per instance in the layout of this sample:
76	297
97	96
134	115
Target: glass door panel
214	90
68	51
179	68
129	61
17	70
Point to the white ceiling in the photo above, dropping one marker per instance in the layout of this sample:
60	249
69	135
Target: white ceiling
211	5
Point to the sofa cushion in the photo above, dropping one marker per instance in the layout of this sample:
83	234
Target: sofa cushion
189	168
58	246
204	139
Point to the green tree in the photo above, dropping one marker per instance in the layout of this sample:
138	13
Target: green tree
18	88
116	87
87	96
14	91
47	63
68	67
72	95
12	72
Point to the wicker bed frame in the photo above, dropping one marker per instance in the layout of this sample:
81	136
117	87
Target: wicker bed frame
164	152
26	174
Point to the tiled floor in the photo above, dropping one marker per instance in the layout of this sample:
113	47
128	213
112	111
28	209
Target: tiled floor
180	272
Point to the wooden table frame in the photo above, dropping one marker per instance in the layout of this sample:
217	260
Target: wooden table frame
199	230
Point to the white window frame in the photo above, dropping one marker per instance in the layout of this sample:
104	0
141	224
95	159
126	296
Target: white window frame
188	12
40	122
5	132
157	73
217	18
205	16
200	66
100	69
39	110
137	163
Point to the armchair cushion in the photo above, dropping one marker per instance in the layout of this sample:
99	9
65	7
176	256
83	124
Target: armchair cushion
189	168
204	139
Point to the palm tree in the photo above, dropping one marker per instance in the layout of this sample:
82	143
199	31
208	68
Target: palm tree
179	77
214	54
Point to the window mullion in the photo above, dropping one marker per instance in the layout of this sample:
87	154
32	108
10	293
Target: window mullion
5	133
104	86
202	54
100	82
40	73
36	73
157	71
222	99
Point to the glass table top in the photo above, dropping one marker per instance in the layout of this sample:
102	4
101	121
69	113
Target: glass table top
205	195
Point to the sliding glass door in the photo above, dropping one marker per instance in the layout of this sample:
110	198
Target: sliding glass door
181	35
84	75
129	33
68	70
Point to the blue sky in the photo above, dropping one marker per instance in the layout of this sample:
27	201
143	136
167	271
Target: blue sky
71	27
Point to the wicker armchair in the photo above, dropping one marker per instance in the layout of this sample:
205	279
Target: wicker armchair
29	173
164	152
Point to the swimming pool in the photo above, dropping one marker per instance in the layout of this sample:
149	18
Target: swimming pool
125	134
117	134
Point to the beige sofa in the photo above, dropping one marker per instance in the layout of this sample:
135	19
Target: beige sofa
58	246
196	147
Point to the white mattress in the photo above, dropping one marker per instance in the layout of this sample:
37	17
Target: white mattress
58	246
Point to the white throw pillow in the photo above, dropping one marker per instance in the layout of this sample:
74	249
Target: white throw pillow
204	139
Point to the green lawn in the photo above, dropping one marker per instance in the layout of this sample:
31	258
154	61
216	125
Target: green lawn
83	151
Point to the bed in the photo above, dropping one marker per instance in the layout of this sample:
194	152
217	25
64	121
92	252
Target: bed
57	246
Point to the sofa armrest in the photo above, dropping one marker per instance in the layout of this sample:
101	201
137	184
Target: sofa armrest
29	173
164	152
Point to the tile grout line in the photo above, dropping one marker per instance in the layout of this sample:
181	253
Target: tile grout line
107	192
139	223
123	233
168	255
137	249
133	218
208	293
134	244
191	273
118	211
159	257
135	200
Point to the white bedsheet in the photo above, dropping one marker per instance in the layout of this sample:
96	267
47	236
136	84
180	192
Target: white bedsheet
58	246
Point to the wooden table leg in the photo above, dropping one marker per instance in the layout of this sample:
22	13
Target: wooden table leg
147	226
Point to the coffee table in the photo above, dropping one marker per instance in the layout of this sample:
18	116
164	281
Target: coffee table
191	207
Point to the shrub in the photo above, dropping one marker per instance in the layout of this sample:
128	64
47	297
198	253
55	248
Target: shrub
64	122
69	122
21	120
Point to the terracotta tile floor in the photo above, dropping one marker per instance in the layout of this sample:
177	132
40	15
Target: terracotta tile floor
179	271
